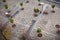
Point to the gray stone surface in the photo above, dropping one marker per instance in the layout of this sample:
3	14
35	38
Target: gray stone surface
23	19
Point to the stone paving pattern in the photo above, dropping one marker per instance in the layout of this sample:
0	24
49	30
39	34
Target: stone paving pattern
24	18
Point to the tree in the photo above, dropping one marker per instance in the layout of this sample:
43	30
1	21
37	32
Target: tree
11	20
39	32
6	6
53	6
39	4
36	10
38	0
4	0
21	4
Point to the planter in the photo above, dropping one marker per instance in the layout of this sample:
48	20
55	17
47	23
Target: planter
22	8
39	4
57	26
53	6
14	25
45	12
35	15
21	4
39	35
53	11
27	1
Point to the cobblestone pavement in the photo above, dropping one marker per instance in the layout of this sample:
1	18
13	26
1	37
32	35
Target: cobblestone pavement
23	20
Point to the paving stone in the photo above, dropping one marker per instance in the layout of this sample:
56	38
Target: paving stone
24	18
